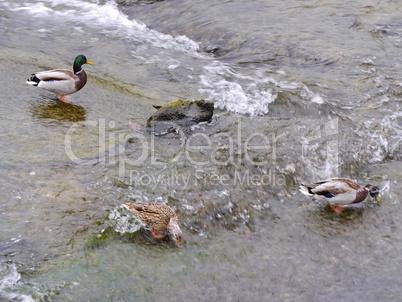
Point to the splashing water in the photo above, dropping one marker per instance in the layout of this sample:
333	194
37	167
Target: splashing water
231	90
9	278
122	221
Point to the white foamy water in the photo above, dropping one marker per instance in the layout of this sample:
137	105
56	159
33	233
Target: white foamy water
122	221
323	90
9	278
230	89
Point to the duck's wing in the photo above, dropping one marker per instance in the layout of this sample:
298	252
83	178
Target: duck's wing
335	191
59	81
150	214
55	75
346	182
330	187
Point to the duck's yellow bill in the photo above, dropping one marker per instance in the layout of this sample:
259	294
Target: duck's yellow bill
179	243
90	63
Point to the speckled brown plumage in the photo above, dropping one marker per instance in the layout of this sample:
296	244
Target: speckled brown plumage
160	218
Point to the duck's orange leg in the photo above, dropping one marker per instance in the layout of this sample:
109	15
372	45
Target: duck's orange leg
64	98
337	208
157	234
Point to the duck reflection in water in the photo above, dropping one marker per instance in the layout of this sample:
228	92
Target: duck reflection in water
58	111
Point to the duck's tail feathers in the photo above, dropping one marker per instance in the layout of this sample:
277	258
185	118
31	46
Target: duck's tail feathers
305	190
34	81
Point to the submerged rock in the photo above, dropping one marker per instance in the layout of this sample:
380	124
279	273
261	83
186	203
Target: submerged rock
183	111
175	116
180	114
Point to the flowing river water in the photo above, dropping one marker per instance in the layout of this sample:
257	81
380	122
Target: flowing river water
303	90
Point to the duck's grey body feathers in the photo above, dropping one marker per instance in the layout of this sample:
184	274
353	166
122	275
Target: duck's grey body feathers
60	81
338	191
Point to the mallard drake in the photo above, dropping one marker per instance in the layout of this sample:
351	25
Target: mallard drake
159	217
339	192
62	81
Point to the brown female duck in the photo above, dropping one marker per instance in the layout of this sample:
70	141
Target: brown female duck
159	217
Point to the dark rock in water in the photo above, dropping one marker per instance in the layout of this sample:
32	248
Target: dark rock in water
180	113
191	111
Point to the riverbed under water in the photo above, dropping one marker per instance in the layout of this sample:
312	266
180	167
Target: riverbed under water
302	92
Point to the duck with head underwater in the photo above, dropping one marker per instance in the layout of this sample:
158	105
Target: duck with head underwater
339	192
62	81
160	218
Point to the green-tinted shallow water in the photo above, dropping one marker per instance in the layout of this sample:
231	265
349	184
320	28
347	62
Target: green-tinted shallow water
294	103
